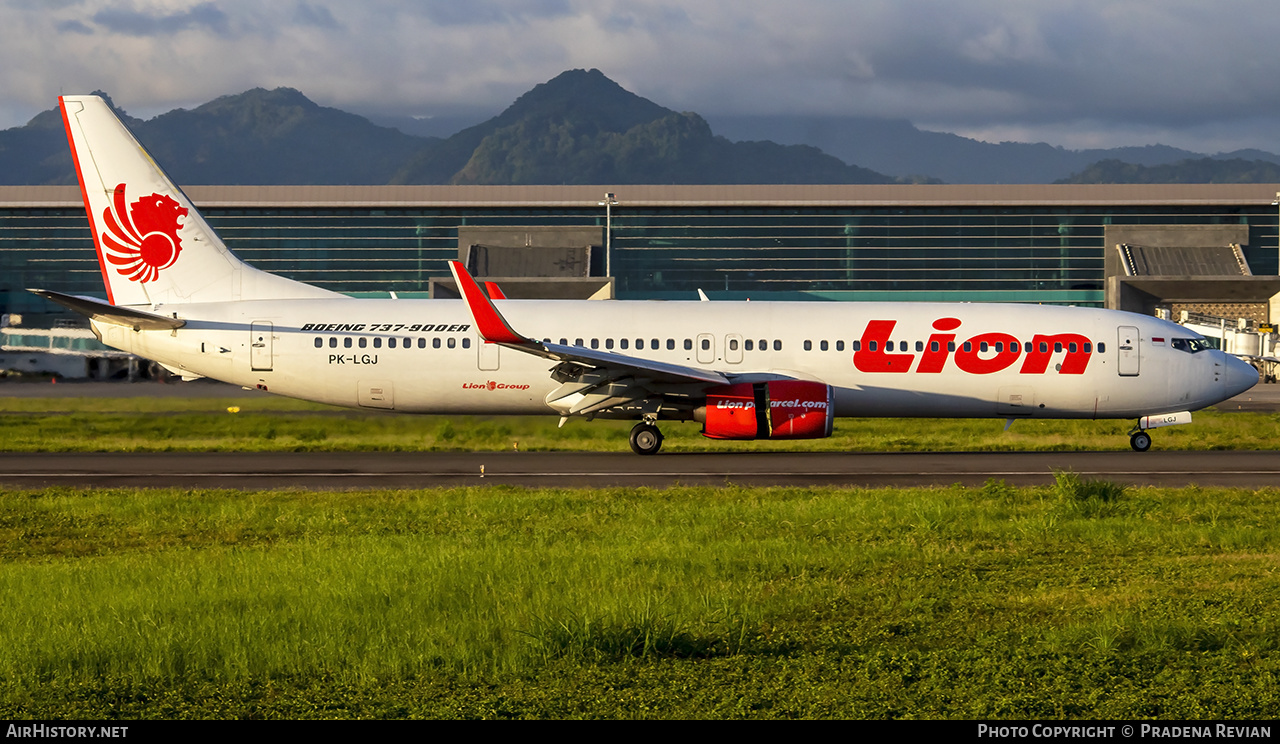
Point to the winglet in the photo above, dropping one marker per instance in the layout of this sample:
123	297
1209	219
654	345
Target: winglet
494	291
492	326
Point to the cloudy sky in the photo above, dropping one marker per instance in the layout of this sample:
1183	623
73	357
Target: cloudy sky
1077	73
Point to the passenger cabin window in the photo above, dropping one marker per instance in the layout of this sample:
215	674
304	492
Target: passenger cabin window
777	345
808	345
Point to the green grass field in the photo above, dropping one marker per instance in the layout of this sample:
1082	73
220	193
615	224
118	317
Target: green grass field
1080	600
281	424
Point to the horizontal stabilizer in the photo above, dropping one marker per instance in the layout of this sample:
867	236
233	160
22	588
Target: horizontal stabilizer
95	309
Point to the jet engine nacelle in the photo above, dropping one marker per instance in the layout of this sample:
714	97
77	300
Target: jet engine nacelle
779	409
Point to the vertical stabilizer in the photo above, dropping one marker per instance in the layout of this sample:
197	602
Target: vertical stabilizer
153	245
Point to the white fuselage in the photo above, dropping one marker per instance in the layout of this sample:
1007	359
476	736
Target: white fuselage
424	356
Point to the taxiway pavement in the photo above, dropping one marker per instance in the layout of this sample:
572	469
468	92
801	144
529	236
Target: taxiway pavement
397	470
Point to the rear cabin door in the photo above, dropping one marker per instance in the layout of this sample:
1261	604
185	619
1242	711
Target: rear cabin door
260	346
1130	351
488	355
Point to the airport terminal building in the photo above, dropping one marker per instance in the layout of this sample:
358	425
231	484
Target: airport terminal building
1139	247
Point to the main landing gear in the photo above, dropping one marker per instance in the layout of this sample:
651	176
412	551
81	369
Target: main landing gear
645	439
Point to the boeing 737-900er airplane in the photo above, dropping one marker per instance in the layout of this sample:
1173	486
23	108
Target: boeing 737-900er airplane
744	370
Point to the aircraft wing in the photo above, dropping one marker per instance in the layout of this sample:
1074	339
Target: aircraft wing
495	329
96	309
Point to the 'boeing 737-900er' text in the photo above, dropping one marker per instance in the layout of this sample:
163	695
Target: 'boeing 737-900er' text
744	370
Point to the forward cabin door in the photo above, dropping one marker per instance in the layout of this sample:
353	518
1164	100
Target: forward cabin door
261	351
1130	351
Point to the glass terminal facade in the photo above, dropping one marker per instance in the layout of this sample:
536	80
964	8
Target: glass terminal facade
1020	253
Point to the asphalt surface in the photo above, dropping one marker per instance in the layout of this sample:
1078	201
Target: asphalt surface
144	389
359	470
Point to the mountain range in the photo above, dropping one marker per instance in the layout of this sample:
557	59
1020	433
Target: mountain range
583	128
897	147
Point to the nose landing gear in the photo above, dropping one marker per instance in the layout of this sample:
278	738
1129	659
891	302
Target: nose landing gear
1140	440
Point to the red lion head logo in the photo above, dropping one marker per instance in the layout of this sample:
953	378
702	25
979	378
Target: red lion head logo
143	240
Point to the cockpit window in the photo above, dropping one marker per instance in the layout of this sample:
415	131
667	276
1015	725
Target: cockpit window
1190	345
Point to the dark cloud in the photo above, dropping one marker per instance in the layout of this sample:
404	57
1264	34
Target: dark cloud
74	27
317	16
205	16
484	12
1099	68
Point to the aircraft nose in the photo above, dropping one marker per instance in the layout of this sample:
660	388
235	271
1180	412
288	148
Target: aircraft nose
1239	376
